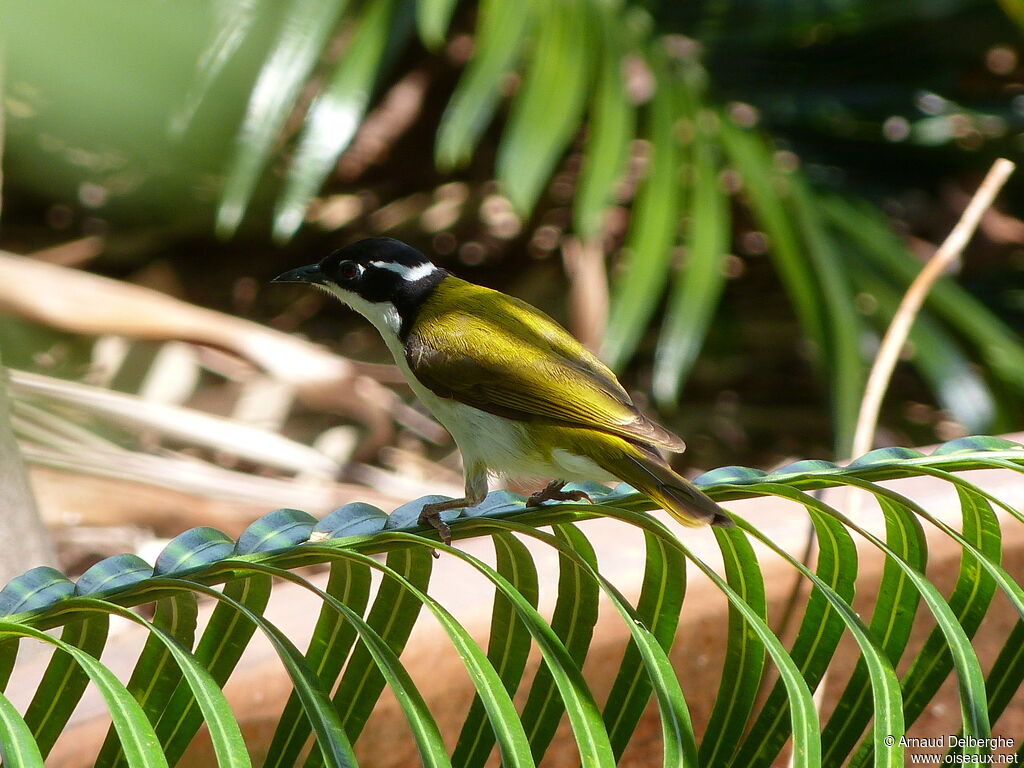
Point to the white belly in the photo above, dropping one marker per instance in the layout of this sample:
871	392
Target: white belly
506	446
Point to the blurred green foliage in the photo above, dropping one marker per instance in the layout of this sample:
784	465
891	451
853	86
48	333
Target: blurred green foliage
111	106
756	123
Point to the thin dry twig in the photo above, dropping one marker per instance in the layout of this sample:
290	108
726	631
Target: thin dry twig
74	253
588	290
899	328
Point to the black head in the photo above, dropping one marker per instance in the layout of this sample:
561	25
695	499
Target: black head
378	270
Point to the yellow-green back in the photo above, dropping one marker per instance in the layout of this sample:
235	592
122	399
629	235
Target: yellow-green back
501	355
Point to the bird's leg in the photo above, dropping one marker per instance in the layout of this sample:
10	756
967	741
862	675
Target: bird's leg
553	492
476	492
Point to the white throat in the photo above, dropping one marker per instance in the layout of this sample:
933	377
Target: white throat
384	316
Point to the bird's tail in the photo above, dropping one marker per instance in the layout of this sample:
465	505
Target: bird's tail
652	476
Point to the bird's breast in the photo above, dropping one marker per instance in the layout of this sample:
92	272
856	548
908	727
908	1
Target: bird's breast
516	449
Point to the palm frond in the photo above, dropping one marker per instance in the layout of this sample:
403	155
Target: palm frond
175	688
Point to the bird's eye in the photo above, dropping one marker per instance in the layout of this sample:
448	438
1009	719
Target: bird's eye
348	270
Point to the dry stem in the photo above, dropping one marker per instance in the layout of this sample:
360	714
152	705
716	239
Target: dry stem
899	328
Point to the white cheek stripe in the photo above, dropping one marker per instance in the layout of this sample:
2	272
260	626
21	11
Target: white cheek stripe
409	274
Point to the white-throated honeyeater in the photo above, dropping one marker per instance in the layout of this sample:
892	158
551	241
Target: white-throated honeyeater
520	396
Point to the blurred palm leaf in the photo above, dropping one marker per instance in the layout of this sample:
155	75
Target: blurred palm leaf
501	28
697	287
305	28
654	224
175	688
336	113
546	112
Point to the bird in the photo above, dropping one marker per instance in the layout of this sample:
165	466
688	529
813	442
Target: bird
519	395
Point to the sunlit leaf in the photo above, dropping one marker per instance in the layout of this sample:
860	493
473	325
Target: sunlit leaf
280	529
179	689
884	685
495	699
648	252
574	696
1007	673
501	27
546	111
17	747
507	647
137	738
305	28
64	681
392	616
818	636
335	115
329	647
679	743
804	718
974	715
333	747
156	676
225	638
223	729
661	598
609	130
698	284
432	19
744	653
37	588
8	658
891	623
572	623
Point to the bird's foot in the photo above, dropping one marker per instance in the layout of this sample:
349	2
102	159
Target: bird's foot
431	515
553	492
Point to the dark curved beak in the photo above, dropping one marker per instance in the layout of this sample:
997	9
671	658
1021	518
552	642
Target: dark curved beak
308	274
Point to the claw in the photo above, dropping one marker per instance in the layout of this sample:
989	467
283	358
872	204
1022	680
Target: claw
433	518
554	492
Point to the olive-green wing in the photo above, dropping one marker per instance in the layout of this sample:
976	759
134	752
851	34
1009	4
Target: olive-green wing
501	355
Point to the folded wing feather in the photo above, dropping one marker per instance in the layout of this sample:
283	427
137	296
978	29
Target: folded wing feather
501	355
